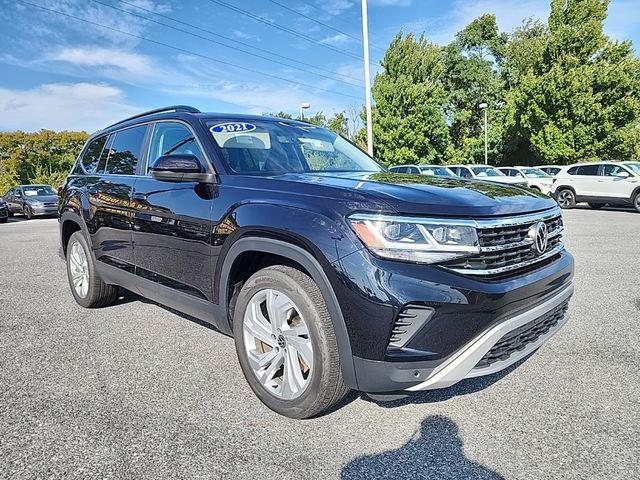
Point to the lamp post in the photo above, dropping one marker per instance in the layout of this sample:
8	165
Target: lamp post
303	107
367	76
484	106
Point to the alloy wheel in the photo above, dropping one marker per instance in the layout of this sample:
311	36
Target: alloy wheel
565	199
278	344
79	268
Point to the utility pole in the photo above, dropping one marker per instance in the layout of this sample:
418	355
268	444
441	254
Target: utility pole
367	76
484	106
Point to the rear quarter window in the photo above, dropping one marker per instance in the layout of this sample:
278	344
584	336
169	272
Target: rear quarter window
92	154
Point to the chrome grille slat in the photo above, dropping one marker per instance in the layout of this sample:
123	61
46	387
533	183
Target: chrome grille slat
505	245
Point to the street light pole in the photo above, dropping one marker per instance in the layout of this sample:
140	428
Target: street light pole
302	108
367	76
485	107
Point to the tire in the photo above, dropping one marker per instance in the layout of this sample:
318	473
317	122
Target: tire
566	198
91	291
279	342
4	220
636	202
27	212
596	206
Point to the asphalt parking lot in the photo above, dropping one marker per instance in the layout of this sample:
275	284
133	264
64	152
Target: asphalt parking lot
137	391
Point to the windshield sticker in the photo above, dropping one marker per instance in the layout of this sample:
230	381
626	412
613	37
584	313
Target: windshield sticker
232	127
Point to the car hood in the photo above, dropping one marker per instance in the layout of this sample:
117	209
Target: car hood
430	195
43	198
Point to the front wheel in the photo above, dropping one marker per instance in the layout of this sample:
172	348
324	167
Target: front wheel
27	212
87	287
286	344
636	202
566	198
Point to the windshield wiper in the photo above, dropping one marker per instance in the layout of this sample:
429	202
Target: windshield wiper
178	145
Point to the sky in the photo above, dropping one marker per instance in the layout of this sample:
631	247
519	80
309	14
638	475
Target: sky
83	64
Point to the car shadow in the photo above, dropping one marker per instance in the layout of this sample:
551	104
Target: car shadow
127	296
434	452
607	209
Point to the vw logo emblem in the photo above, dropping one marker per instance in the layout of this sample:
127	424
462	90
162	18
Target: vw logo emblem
539	234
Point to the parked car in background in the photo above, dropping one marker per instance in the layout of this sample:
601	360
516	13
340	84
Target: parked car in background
552	170
329	274
4	211
486	173
599	184
434	170
32	200
535	178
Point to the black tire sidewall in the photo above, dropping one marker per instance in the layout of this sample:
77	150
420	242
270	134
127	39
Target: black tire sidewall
88	300
28	212
298	407
572	203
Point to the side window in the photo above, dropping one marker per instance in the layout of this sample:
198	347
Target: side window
173	138
588	169
573	171
92	155
401	170
414	170
612	170
465	173
124	151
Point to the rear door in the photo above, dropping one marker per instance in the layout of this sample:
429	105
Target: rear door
172	221
109	190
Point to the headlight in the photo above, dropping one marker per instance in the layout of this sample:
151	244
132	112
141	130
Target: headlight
416	239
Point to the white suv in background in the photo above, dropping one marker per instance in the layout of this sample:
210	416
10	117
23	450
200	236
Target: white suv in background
599	184
485	173
535	178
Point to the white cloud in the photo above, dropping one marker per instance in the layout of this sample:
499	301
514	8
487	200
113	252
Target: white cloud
244	35
104	57
337	39
62	106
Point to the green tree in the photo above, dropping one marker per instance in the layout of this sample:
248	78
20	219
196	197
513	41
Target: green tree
578	95
472	77
408	120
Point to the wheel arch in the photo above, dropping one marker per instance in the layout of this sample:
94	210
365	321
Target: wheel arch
296	256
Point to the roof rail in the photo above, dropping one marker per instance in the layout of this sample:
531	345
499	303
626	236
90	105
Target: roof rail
171	108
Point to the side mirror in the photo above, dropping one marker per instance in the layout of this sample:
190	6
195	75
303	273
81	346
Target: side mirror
180	168
622	174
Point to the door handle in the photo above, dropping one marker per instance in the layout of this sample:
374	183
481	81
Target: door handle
139	196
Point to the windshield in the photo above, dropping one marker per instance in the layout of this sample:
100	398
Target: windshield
437	171
634	167
487	172
534	172
38	191
262	147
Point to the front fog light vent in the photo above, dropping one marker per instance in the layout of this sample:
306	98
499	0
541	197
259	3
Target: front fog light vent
410	320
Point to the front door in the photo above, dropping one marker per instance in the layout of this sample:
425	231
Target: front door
614	186
172	222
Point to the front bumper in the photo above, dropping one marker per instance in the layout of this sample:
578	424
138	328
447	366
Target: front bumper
476	358
44	210
464	363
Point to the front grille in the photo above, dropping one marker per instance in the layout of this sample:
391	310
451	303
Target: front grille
518	339
506	246
50	204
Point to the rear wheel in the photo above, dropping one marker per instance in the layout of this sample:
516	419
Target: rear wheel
566	198
87	287
286	344
596	206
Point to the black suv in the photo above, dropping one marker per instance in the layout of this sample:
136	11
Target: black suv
330	273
